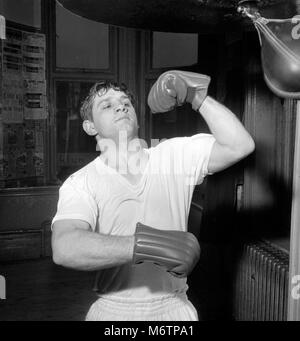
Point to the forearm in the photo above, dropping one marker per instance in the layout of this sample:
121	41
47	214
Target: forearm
89	251
225	126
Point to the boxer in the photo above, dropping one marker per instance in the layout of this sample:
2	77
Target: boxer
125	213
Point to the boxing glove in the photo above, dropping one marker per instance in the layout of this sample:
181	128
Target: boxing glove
176	251
174	88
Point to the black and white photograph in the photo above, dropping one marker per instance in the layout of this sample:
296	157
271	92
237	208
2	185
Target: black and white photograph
149	163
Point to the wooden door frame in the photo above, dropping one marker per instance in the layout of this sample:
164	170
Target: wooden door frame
294	268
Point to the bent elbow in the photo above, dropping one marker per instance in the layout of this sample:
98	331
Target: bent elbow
58	257
250	147
59	254
246	148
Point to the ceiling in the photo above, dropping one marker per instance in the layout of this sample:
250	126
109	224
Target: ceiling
176	15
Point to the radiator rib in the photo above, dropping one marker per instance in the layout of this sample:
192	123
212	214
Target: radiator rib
261	287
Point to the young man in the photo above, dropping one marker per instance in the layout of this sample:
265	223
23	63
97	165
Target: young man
125	214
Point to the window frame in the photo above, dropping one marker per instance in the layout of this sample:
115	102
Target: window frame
55	74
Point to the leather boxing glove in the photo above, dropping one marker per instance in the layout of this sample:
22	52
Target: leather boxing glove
176	251
177	87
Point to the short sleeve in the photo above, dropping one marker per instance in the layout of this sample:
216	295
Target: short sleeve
196	154
76	203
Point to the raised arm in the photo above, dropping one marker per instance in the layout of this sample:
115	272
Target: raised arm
233	142
174	87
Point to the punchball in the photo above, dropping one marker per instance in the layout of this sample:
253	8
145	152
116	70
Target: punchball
280	55
280	50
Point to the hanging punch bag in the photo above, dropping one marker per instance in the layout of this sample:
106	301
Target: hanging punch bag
280	52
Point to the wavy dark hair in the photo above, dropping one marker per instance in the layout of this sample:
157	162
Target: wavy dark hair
99	89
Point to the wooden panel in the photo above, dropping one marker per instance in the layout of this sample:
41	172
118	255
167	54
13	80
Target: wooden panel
219	205
294	301
267	190
20	246
39	290
27	208
47	250
195	219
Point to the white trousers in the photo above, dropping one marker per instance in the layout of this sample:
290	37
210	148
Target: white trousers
175	307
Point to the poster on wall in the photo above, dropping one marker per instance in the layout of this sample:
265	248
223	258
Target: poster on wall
35	101
34	73
23	149
12	95
1	125
1	153
23	105
24	77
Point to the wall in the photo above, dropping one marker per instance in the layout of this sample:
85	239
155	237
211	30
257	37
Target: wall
25	216
268	179
251	200
25	12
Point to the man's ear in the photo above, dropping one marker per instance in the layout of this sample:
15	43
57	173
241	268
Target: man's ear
89	128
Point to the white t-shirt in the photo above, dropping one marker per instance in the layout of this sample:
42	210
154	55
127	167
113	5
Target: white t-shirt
111	205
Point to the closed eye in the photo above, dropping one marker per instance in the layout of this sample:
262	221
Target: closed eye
127	103
106	106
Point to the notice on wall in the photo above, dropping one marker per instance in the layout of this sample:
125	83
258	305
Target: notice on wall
12	98
35	100
23	150
23	105
23	77
34	47
12	52
35	104
1	97
1	152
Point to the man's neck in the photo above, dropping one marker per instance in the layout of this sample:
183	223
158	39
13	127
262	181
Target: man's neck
124	157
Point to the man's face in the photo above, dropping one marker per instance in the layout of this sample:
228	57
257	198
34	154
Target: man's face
113	112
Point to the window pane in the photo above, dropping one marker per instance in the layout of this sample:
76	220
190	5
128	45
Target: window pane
80	43
174	49
75	148
25	12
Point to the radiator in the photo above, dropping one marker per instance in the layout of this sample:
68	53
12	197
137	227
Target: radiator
261	286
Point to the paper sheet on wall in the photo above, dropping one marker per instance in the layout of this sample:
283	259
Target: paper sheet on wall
23	105
1	97
1	152
2	27
12	98
23	150
24	77
35	103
